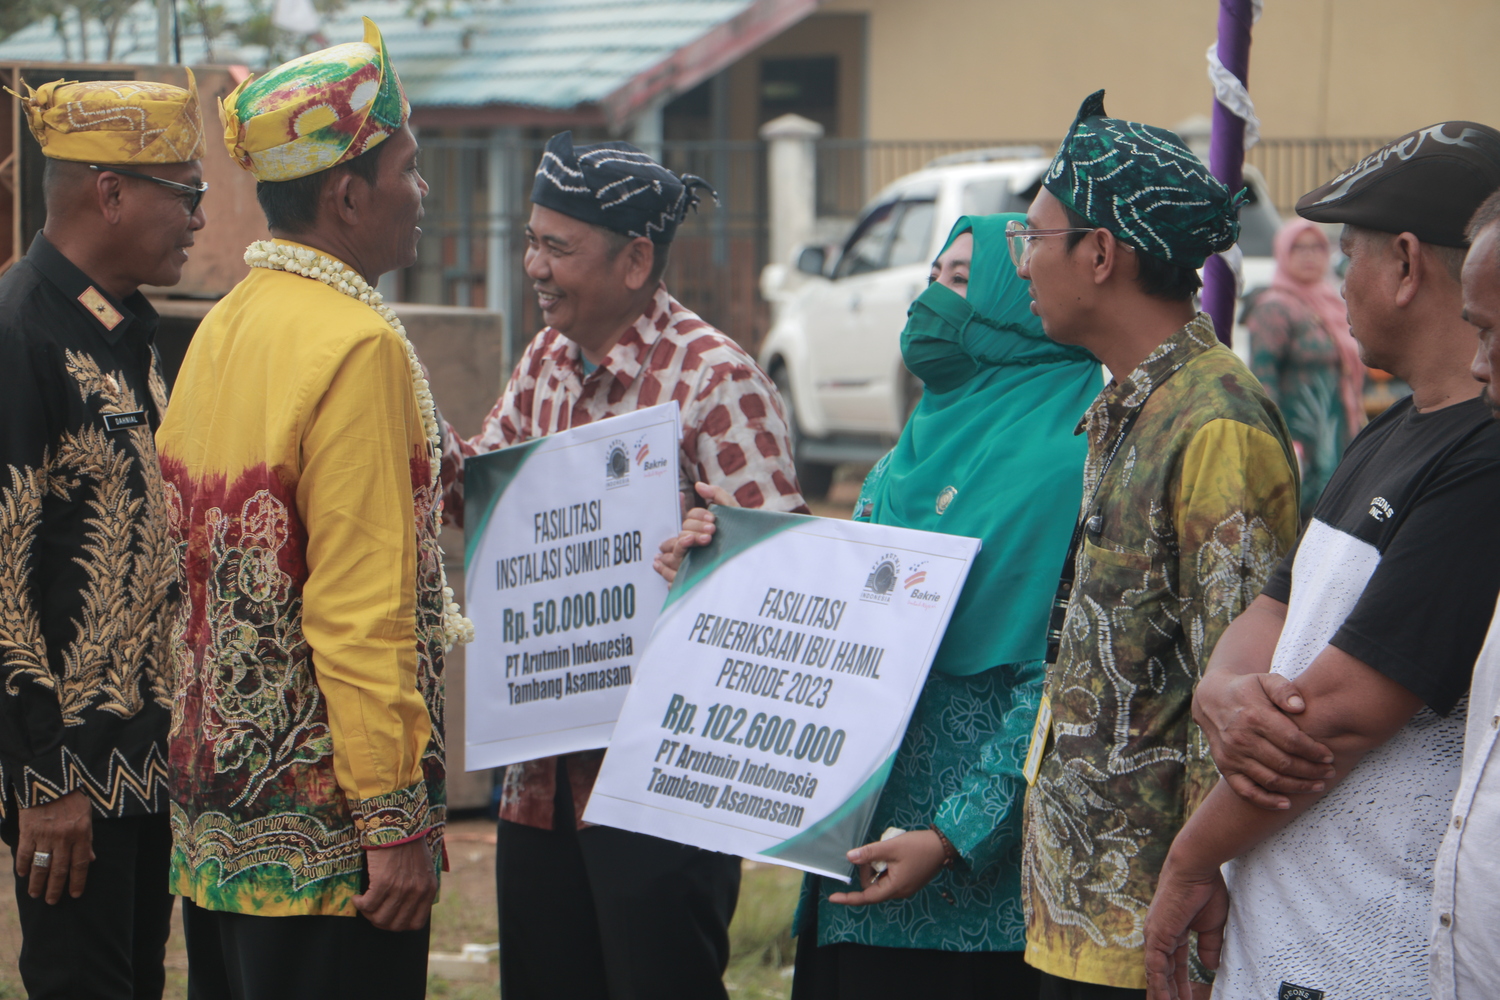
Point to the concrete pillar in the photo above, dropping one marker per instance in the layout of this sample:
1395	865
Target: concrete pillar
792	176
647	130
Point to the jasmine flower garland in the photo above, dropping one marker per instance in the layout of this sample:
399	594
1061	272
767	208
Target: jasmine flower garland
344	279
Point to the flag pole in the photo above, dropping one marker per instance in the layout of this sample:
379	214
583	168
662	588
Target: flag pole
1226	151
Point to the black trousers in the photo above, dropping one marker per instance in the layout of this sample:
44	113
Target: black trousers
848	971
1057	988
110	942
603	914
240	956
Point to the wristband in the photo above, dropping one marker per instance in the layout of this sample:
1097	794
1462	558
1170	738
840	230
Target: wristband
950	853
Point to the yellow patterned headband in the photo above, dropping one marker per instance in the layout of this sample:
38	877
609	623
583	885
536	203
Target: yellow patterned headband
115	121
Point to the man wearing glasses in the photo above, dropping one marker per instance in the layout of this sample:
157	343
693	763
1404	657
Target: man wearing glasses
86	574
1190	499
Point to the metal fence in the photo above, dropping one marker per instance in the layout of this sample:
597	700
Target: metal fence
472	253
1293	167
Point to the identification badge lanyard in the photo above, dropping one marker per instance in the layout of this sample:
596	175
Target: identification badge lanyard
1093	522
1041	732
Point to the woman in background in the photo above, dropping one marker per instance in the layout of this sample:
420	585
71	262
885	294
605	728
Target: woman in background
1301	351
989	452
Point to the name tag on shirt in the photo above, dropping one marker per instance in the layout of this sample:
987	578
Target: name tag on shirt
1039	733
1290	991
124	421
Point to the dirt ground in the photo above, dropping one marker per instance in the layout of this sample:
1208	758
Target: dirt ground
761	941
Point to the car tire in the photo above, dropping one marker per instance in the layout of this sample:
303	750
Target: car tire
813	479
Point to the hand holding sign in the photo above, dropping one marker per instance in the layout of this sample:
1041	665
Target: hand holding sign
559	586
777	685
697	530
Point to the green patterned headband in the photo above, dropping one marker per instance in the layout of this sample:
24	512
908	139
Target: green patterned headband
1143	185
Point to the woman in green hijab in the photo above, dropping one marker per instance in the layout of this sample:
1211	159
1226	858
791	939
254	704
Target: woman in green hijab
990	452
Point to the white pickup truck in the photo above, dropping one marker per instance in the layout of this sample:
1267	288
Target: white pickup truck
834	351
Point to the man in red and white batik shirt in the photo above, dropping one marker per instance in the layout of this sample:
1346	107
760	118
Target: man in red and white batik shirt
591	910
734	431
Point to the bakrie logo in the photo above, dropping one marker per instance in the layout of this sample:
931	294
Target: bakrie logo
643	460
881	582
616	465
916	595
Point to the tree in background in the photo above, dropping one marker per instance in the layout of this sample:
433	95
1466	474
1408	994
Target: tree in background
224	34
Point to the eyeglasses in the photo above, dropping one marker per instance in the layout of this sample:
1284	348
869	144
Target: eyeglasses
193	194
1021	240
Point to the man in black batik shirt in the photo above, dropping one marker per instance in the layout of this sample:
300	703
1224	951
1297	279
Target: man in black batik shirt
87	577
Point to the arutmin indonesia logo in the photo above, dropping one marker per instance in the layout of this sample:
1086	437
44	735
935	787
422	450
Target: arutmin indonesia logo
616	465
881	582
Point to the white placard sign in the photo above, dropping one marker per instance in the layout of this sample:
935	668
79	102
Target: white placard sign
777	687
558	581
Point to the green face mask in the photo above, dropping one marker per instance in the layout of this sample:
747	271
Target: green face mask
992	433
932	341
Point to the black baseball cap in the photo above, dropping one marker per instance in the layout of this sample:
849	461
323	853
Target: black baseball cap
1428	183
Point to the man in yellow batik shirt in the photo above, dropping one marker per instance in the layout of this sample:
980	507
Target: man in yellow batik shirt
1190	500
85	570
300	457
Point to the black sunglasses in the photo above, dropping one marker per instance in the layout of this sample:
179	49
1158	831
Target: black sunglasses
196	193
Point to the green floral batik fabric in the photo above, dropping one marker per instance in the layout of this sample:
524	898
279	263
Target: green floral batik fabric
960	766
1197	508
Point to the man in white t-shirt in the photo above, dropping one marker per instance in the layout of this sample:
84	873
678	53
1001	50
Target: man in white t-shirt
1465	956
1376	616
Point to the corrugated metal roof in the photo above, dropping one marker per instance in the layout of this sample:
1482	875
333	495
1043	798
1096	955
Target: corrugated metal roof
544	53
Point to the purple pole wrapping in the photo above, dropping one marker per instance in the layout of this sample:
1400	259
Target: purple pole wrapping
1226	155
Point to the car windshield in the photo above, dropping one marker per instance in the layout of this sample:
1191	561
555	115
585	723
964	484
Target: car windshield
913	237
994	194
986	197
866	249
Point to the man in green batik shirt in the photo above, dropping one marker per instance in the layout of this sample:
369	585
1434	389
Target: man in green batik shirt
1189	500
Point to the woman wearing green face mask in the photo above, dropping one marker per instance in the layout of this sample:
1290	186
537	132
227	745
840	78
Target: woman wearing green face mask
989	452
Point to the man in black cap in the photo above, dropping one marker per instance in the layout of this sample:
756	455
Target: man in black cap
1334	705
590	911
